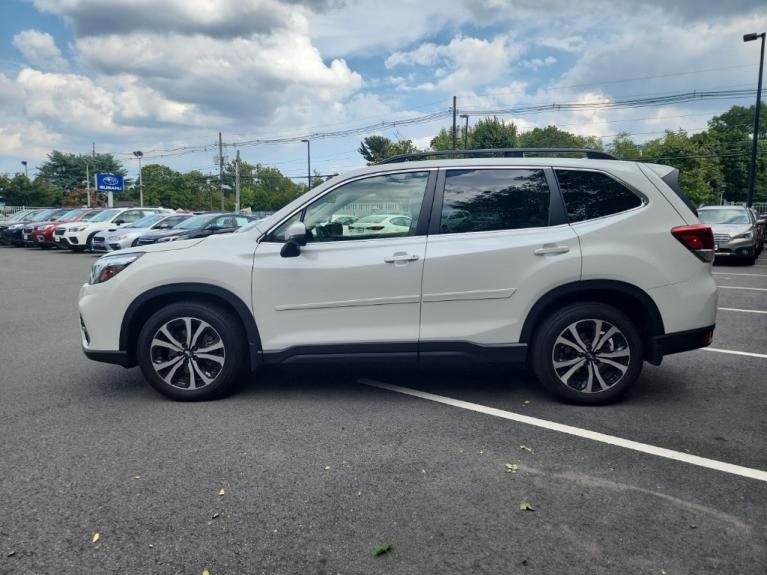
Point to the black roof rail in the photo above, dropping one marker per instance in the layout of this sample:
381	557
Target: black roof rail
503	152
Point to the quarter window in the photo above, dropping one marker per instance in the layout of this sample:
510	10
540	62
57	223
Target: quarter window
486	200
590	195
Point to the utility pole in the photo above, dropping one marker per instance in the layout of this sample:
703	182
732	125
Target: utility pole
466	132
454	130
237	183
139	154
26	173
308	163
755	143
88	182
221	168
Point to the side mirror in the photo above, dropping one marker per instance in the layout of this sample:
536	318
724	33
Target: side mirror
119	222
295	237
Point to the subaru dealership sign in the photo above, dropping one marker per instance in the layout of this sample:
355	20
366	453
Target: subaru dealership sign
109	183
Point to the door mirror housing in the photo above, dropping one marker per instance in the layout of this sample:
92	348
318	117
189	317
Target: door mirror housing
295	237
119	222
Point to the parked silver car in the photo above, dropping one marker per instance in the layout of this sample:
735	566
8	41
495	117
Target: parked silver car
735	231
124	236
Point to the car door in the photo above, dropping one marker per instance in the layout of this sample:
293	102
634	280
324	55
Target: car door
128	217
486	268
345	293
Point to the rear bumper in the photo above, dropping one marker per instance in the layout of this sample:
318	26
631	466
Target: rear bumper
678	342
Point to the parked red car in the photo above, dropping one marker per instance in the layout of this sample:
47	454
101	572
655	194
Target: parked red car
43	234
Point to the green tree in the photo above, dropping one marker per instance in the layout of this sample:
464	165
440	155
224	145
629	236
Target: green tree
553	137
21	191
67	171
624	148
490	133
377	148
677	149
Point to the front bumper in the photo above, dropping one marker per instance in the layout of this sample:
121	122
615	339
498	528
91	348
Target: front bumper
735	248
115	357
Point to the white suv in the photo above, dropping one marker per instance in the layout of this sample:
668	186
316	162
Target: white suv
583	268
79	236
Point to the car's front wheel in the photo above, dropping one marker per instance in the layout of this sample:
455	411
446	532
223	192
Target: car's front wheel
192	351
587	353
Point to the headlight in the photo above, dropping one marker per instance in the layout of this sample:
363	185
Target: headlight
49	228
77	228
119	238
745	236
109	266
16	226
171	239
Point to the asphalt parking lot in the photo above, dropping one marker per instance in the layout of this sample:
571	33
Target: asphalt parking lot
318	467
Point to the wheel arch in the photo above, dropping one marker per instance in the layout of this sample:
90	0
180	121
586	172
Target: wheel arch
629	299
151	300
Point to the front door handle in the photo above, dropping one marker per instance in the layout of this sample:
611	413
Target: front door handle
401	257
551	249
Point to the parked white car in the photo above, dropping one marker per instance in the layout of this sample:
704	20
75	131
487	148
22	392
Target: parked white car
79	236
126	236
381	224
583	268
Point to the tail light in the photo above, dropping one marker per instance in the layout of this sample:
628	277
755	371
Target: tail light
698	239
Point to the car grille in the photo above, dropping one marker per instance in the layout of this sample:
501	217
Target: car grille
145	241
28	230
60	231
721	238
98	239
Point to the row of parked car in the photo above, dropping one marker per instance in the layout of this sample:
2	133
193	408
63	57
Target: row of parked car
110	229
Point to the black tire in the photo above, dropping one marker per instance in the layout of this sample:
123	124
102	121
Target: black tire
77	249
224	378
546	348
750	260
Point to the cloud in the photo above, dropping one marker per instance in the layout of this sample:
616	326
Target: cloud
39	49
464	63
538	63
217	18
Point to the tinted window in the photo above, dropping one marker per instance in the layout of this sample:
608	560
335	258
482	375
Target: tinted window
590	195
484	200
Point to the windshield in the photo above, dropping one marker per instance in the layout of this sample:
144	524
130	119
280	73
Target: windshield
723	217
194	223
17	216
70	215
146	221
90	215
42	216
105	215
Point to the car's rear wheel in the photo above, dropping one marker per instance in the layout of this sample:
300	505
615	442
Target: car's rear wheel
587	353
192	351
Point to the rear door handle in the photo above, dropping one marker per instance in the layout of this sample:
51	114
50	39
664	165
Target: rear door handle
551	249
401	257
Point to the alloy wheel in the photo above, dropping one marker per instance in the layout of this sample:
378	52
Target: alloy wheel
591	355
187	353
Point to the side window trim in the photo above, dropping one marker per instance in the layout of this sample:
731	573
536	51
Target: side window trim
557	208
423	217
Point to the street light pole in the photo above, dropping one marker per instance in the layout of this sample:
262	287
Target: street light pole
755	143
466	132
308	163
139	154
24	163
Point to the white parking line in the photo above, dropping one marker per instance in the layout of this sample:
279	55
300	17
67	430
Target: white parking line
739	287
746	353
729	274
578	432
743	310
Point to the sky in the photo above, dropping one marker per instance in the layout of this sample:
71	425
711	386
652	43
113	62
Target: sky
165	76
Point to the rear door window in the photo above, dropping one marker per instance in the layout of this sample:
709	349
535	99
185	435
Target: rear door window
589	195
480	200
